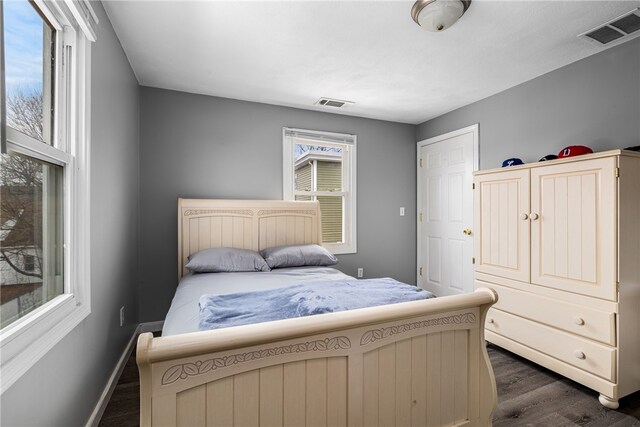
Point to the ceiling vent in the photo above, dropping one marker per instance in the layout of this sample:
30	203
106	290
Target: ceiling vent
616	31
333	103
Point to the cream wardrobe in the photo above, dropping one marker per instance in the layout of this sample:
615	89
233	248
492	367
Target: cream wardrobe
560	243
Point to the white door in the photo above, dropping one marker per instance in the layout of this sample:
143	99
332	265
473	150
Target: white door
445	212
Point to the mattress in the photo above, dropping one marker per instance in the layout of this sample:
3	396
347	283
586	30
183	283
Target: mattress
184	313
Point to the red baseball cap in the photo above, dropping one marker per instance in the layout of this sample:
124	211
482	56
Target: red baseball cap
574	150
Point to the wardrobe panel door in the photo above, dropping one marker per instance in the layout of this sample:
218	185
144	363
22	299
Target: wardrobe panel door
501	224
573	238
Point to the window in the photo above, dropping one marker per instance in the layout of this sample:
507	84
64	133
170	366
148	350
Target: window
44	199
29	264
322	166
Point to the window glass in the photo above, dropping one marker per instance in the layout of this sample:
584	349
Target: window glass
31	235
331	208
319	168
31	216
29	66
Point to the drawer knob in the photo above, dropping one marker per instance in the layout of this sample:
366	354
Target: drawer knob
490	321
578	321
579	355
524	216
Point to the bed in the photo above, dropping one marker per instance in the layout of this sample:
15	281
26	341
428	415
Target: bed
415	363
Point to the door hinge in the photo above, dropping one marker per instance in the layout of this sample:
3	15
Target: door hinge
617	172
473	260
618	287
420	216
420	162
473	186
421	271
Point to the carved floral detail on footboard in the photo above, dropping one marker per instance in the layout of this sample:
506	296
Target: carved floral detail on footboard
185	370
285	212
190	212
378	334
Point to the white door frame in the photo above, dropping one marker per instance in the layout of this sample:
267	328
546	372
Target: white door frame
474	129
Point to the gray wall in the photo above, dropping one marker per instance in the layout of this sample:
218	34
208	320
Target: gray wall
198	146
64	386
207	147
593	102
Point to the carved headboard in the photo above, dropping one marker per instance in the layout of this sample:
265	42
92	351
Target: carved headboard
245	224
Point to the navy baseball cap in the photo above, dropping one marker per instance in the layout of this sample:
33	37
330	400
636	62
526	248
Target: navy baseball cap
548	157
514	161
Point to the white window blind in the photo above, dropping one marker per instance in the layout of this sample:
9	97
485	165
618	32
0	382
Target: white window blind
320	136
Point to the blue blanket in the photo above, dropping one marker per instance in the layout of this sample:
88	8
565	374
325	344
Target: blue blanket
306	299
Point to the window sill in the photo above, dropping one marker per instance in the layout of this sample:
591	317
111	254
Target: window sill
340	249
27	340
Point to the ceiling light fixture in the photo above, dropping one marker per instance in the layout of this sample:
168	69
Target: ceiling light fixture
438	15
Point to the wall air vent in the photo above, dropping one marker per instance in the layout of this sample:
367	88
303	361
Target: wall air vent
333	103
616	31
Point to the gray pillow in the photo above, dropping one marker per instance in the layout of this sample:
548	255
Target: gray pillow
220	260
298	256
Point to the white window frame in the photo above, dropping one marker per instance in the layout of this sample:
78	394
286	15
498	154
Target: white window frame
291	136
28	339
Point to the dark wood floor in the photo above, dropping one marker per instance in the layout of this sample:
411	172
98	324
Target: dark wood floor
123	409
528	395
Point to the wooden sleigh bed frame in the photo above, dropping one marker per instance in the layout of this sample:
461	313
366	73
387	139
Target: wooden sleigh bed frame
421	363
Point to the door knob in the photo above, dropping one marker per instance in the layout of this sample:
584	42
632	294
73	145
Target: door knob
467	232
524	216
534	216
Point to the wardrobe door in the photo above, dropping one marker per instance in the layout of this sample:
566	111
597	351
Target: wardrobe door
501	201
573	227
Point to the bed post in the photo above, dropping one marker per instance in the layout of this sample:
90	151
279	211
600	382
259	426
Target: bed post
488	401
179	239
144	367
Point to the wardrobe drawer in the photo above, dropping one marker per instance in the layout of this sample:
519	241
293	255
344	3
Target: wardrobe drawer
584	321
587	355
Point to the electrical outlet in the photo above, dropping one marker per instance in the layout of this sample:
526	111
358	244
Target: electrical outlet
360	272
122	315
402	211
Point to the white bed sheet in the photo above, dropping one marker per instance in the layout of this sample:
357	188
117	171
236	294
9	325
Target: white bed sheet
183	315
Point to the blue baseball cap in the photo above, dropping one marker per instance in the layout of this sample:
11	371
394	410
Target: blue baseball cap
514	161
548	157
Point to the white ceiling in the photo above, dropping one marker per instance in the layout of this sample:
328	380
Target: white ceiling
370	52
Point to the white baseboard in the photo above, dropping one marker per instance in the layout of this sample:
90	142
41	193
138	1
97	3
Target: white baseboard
96	415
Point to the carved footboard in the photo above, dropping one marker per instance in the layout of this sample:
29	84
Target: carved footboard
417	363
